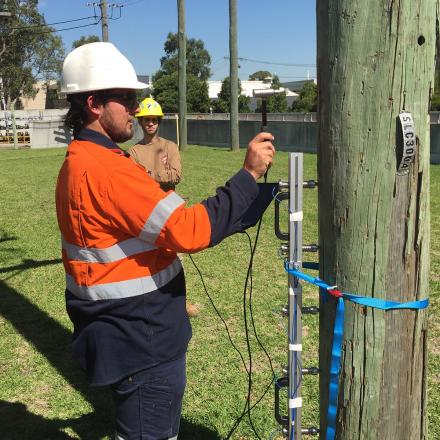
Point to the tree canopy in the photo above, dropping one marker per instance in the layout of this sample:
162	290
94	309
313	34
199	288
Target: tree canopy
29	51
260	75
166	92
198	59
85	40
223	103
307	100
166	79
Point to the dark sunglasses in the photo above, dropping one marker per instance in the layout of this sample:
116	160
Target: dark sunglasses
128	100
152	120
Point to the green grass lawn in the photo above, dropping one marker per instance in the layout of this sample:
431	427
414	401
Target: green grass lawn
43	395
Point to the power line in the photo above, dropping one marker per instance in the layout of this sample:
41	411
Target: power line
66	29
128	3
273	63
51	24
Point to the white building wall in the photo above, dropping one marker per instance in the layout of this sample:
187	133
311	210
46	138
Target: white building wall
247	88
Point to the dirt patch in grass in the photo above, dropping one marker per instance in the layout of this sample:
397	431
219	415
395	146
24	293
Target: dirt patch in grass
434	346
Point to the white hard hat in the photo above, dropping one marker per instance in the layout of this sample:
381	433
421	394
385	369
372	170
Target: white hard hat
98	66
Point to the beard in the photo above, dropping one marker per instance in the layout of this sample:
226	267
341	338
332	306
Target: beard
121	135
116	130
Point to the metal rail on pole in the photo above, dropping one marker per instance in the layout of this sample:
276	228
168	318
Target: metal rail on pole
293	252
295	294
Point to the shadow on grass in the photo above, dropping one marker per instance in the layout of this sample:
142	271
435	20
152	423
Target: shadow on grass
5	236
17	423
54	342
29	263
191	431
2	239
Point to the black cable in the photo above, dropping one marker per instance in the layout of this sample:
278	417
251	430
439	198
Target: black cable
219	315
130	3
248	407
66	29
273	63
51	24
253	322
244	411
248	342
248	281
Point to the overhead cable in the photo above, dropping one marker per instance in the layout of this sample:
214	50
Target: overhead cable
274	63
52	24
66	29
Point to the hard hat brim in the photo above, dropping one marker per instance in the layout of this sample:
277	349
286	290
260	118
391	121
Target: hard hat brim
135	86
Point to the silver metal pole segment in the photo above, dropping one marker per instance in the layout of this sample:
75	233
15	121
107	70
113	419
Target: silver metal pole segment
295	294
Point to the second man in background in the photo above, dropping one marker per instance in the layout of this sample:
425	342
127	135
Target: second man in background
160	157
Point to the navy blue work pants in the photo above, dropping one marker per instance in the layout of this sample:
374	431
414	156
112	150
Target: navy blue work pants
149	403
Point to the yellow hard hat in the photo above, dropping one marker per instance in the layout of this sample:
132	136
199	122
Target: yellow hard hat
149	107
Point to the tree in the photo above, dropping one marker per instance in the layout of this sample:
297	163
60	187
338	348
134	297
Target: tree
222	103
85	40
166	92
276	103
165	80
198	59
260	75
373	222
308	97
28	50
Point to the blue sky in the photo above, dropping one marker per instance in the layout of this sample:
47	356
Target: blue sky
276	32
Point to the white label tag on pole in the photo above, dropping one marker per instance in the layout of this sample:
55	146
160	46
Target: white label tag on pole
406	142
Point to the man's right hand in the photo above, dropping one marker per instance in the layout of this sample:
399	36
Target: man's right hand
259	155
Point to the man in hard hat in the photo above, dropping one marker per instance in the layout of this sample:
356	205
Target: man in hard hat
159	156
121	233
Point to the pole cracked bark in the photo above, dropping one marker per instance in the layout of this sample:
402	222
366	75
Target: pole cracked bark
375	59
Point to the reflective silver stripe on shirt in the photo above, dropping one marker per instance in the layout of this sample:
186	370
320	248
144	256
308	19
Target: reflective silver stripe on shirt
119	437
117	252
159	217
125	289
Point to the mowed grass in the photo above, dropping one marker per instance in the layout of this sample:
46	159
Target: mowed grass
43	395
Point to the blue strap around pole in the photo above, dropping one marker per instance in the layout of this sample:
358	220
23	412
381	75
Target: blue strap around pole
382	304
335	365
338	332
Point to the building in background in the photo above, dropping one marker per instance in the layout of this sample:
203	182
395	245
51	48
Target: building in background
296	86
247	88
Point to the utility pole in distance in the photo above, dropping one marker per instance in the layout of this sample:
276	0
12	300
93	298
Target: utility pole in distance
104	20
375	61
233	76
182	74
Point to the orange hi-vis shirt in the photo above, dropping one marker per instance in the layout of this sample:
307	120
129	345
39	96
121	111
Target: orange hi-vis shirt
125	288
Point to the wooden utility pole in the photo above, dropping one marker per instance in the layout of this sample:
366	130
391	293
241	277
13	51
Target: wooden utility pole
104	20
182	75
233	76
375	59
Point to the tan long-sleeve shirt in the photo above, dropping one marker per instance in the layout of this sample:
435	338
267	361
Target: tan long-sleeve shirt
152	157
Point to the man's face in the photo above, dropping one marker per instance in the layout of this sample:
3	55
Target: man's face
150	124
118	108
